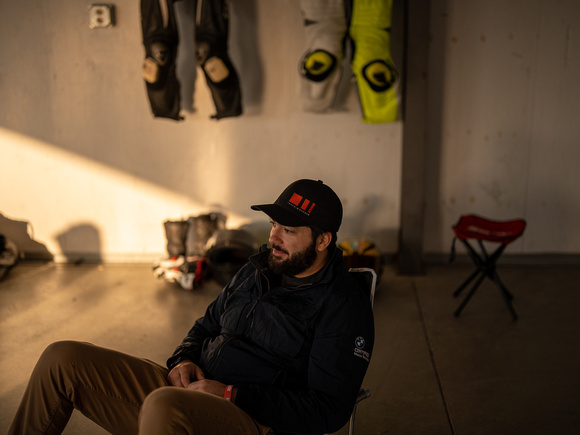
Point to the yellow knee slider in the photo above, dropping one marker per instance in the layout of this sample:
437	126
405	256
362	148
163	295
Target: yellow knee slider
317	65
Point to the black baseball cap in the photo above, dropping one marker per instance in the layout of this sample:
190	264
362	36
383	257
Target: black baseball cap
306	203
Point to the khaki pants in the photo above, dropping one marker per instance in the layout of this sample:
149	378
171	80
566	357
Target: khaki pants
121	393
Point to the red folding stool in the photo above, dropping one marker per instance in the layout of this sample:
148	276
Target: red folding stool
481	229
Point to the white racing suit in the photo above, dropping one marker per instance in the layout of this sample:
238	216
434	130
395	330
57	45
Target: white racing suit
328	24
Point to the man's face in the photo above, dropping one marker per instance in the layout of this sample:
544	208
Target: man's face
293	249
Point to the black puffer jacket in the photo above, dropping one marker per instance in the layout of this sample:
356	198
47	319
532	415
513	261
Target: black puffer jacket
298	356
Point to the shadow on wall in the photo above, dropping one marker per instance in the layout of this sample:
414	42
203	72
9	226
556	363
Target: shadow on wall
359	221
243	43
19	232
186	64
80	243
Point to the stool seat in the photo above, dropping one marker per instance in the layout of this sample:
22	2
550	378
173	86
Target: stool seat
485	230
476	227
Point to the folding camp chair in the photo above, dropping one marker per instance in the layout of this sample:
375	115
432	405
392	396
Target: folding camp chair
482	229
367	280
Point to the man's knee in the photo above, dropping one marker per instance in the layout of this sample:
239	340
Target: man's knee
161	410
61	352
182	411
170	402
161	400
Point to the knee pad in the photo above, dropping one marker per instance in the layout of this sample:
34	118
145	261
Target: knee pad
372	64
157	63
321	65
215	67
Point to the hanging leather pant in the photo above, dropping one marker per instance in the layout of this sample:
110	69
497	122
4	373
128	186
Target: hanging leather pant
211	53
372	65
321	66
160	38
369	26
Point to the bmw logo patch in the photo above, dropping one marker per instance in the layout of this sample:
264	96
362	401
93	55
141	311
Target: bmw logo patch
360	342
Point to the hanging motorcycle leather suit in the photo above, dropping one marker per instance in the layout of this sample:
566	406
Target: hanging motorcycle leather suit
372	65
211	40
368	23
160	38
321	66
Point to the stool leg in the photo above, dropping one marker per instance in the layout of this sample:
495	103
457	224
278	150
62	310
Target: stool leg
477	261
466	282
501	286
492	274
506	295
486	265
469	295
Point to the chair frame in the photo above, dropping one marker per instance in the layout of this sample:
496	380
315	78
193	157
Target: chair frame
363	393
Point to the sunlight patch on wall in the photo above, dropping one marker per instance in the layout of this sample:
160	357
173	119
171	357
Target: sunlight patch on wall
55	189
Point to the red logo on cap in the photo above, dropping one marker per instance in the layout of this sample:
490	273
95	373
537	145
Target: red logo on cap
296	199
302	203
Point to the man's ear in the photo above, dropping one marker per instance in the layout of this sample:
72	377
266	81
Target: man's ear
323	241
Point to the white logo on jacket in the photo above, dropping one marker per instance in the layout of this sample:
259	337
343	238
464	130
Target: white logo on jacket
359	344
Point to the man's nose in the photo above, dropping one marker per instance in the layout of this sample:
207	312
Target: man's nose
274	236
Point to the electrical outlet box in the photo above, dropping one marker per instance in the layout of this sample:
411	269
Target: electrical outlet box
101	16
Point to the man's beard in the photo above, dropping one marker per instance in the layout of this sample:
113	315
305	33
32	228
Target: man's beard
296	263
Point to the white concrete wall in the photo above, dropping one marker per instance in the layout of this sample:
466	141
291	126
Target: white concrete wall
504	127
86	164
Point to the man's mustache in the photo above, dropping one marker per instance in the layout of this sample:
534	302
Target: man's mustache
278	248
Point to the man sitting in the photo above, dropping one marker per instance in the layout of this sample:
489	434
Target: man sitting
282	350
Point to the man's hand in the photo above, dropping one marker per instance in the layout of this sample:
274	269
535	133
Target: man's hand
188	375
212	387
184	373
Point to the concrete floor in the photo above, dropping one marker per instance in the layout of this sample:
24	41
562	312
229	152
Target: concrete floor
431	373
